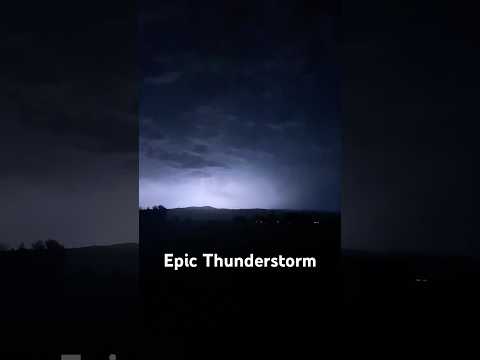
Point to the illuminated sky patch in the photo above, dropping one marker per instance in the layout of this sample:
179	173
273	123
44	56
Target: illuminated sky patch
245	117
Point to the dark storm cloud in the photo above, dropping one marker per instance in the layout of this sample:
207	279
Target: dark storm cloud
71	97
68	145
166	78
83	121
181	159
149	129
200	148
246	93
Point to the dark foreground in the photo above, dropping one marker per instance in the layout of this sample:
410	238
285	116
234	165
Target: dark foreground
102	300
71	301
240	313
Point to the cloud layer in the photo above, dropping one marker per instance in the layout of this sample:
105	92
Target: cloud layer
246	112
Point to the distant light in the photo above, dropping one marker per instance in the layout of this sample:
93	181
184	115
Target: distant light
421	280
225	188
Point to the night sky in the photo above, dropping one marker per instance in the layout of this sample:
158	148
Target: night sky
69	137
239	105
410	128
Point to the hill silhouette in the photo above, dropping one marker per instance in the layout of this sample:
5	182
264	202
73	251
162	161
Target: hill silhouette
206	213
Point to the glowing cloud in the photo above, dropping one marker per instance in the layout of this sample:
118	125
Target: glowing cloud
221	190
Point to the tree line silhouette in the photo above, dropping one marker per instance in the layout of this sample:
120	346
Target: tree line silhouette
245	216
49	245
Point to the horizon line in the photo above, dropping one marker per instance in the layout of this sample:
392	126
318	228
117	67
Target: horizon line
265	209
